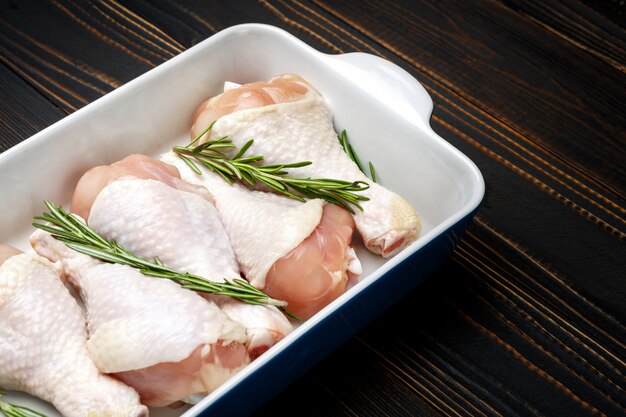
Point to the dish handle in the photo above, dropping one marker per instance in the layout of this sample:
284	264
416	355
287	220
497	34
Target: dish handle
387	82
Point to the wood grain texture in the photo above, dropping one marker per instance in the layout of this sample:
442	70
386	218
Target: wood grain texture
527	317
579	25
23	111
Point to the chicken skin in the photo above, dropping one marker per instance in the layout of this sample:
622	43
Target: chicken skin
43	343
165	341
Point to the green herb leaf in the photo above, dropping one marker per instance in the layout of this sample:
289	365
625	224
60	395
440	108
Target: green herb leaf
372	172
78	236
247	170
345	144
13	410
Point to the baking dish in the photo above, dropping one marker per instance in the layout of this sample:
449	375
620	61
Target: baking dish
386	113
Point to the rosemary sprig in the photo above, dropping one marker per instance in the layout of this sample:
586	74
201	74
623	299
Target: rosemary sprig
345	144
78	236
347	148
13	410
248	170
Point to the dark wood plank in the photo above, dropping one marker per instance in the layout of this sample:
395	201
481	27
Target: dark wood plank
191	21
52	44
580	25
96	47
614	10
23	111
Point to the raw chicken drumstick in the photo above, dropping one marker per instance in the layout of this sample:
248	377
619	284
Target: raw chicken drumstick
43	343
290	122
165	341
142	204
297	252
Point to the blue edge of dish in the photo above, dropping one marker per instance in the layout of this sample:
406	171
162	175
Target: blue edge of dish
332	332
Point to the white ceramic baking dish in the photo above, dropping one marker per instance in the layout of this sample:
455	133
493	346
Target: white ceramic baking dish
386	113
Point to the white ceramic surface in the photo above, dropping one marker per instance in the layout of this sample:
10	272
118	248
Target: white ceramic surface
385	111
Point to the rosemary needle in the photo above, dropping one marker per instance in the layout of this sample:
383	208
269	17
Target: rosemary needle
80	237
372	172
12	410
249	170
345	144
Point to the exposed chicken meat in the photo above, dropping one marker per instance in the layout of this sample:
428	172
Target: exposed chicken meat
207	367
143	326
316	271
43	343
289	121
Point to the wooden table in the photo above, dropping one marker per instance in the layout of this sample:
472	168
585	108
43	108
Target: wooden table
527	317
